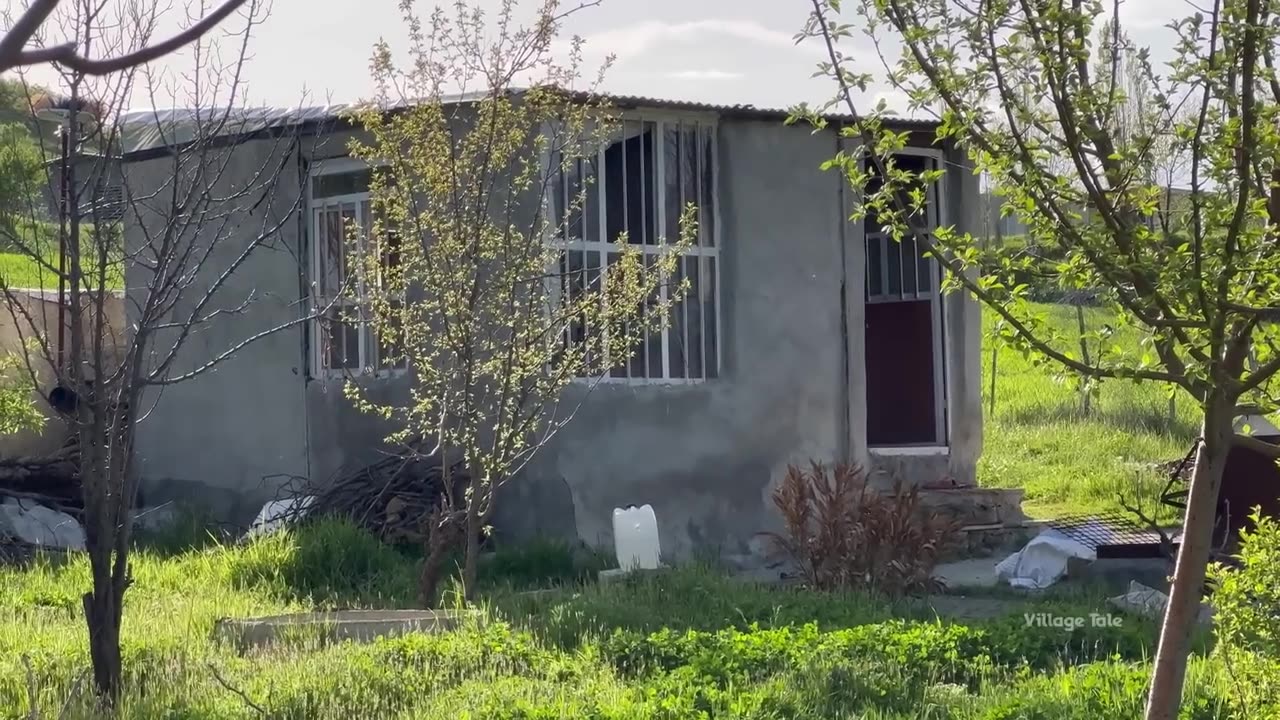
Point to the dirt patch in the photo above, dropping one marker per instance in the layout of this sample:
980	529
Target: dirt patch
962	607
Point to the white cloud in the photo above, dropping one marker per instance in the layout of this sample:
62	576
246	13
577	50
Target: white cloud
703	75
641	37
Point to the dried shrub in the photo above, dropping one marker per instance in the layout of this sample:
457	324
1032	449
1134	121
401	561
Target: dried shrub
842	533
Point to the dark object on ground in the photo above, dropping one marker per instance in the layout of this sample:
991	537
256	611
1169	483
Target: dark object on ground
1249	480
389	498
64	400
1110	535
52	480
15	553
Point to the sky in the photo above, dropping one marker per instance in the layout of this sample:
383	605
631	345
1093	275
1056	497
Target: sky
719	51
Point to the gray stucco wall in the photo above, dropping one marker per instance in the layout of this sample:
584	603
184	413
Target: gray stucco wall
705	455
212	440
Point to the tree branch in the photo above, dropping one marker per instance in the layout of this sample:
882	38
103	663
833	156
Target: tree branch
66	53
1256	445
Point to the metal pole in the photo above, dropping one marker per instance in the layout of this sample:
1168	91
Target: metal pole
1084	355
63	199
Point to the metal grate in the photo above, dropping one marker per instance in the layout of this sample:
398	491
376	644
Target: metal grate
1110	535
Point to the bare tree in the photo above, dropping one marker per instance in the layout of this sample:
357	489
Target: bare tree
156	210
1015	84
20	46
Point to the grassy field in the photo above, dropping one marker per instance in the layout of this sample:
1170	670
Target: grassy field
685	644
1040	439
22	270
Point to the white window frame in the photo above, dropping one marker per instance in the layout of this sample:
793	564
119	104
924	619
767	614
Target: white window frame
320	168
604	245
937	202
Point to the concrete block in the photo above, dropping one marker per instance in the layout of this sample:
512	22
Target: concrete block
976	506
360	626
614	575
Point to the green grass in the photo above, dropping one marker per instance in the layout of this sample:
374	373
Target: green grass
687	643
21	269
18	270
1039	438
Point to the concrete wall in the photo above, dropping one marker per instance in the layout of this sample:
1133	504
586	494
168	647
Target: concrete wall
38	315
706	455
215	440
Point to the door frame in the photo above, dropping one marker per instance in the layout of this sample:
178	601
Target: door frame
941	332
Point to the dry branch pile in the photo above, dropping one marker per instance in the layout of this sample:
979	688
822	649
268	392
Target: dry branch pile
389	498
52	480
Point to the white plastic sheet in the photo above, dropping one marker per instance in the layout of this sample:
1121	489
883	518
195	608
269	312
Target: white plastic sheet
154	128
36	524
272	515
1043	561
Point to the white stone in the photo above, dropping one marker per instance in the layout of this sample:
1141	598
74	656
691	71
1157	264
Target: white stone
35	524
1149	602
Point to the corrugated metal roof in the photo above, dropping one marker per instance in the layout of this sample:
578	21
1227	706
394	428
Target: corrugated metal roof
626	102
151	130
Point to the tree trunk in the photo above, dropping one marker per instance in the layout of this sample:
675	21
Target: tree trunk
103	619
1193	559
472	544
429	580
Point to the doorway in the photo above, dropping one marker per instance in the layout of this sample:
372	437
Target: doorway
904	334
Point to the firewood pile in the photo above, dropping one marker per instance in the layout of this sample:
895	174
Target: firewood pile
389	498
51	480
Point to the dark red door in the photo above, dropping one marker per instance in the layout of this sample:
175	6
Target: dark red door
901	398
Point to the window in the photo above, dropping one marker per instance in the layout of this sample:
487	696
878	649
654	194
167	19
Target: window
344	342
899	270
638	185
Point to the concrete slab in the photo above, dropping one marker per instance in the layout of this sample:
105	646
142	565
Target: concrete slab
356	625
972	573
613	575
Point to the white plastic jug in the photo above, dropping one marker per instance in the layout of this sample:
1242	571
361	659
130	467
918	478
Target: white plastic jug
635	537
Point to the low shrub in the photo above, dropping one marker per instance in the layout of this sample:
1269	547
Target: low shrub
1247	618
842	533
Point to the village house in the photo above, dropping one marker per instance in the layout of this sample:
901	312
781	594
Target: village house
806	335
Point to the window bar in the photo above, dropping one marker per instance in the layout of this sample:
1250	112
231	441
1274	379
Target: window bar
348	224
883	241
698	259
563	218
684	305
908	237
602	251
660	143
644	209
316	287
715	208
626	222
644	239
